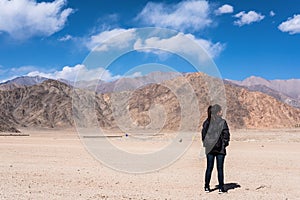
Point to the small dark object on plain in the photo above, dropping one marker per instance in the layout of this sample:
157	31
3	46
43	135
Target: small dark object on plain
261	187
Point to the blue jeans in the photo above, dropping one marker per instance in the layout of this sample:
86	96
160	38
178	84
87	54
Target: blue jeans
210	165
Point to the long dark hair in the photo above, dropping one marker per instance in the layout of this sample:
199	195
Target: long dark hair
209	113
215	109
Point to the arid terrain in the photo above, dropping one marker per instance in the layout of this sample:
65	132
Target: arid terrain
54	104
43	157
54	164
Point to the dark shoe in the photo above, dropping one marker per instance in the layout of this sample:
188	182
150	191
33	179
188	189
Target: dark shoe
222	190
207	189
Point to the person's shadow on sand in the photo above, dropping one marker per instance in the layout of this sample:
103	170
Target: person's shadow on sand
229	186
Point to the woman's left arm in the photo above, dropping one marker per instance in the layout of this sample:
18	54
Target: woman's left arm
226	134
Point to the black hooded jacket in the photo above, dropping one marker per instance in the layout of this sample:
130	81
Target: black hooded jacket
215	136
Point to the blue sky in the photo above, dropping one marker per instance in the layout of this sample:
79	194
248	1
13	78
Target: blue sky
244	38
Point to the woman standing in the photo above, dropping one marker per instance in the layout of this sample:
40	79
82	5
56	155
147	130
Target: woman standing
215	137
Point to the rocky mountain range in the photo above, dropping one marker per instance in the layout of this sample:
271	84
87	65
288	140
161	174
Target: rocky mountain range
21	82
287	91
93	85
152	106
289	87
103	87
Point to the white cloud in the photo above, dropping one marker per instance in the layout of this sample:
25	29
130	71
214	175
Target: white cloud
213	49
21	70
65	38
272	13
13	72
248	18
82	73
224	9
131	39
292	25
105	38
192	15
178	45
27	18
77	73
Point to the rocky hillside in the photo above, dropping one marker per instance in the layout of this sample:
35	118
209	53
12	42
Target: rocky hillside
288	87
151	107
103	87
21	82
287	91
48	104
247	109
43	105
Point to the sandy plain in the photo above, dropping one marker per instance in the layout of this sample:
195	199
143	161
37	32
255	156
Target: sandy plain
54	164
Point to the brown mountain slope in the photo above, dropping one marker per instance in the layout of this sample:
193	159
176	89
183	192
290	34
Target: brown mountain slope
283	92
288	87
21	82
42	105
245	109
6	125
154	106
48	104
248	109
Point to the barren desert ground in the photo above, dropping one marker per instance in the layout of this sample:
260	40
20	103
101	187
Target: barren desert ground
52	164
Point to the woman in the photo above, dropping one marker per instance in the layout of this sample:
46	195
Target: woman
215	137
